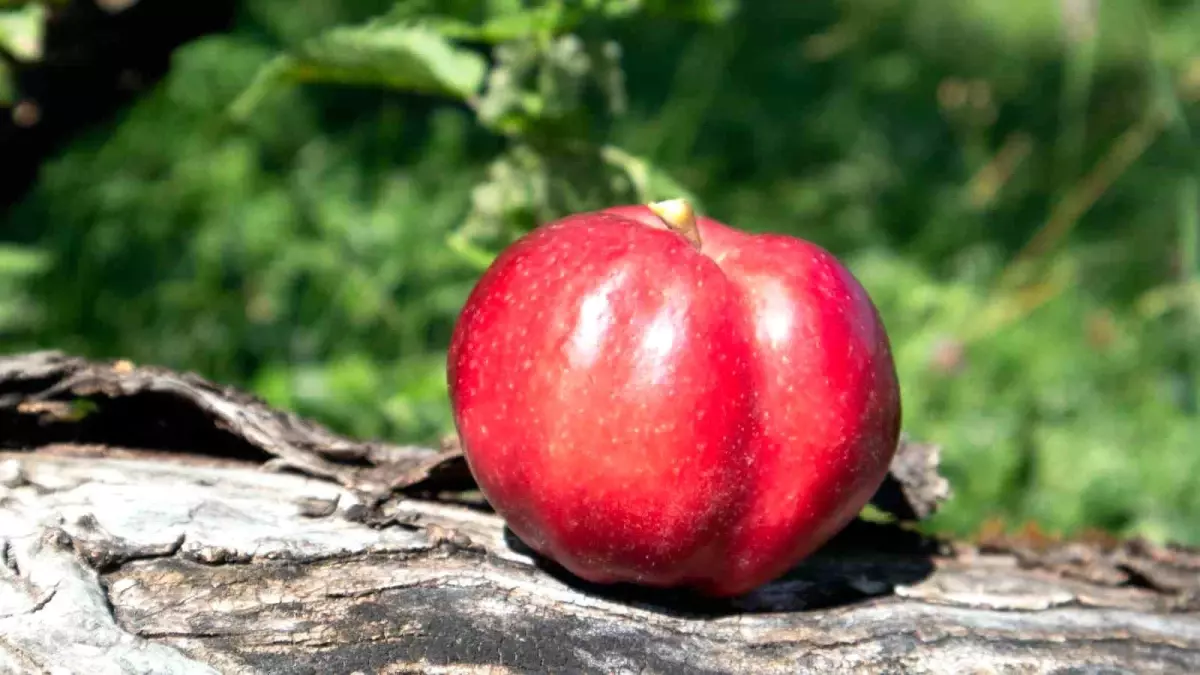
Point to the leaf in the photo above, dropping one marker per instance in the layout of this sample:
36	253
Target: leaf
8	88
410	58
18	263
21	261
520	25
476	256
649	181
704	11
494	22
22	31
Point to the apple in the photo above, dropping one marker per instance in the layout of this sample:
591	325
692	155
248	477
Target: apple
646	396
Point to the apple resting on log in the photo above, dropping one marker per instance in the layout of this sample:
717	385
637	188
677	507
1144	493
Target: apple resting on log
646	396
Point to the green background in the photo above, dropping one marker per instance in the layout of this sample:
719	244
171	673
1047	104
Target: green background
301	205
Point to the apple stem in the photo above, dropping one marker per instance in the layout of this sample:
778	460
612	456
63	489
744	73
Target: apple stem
679	216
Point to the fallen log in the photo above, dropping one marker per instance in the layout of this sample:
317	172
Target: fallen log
154	522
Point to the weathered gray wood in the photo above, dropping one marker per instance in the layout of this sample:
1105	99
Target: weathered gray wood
181	557
235	569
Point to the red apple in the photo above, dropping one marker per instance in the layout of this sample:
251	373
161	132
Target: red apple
648	397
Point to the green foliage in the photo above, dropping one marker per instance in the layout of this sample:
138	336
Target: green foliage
402	57
18	310
303	204
21	30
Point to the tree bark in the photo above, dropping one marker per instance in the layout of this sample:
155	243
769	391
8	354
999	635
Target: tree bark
152	522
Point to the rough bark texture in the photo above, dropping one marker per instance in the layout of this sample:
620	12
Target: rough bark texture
143	530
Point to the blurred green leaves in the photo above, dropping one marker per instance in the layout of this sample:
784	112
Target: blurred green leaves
410	58
21	30
22	26
317	243
502	21
534	90
18	265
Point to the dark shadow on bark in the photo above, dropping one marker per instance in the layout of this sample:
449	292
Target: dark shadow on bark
865	560
156	420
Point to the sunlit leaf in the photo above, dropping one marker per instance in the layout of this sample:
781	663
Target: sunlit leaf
21	261
22	31
522	24
408	58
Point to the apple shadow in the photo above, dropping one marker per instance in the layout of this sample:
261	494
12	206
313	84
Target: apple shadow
864	561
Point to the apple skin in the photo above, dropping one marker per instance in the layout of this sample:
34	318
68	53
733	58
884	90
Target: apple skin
640	409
